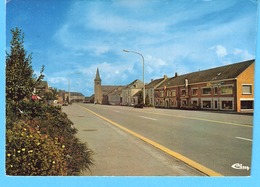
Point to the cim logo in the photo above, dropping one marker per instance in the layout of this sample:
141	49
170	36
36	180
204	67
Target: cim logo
240	167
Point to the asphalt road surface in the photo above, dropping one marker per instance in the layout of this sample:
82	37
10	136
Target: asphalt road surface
210	142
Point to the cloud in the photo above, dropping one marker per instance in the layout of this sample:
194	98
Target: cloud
177	36
220	51
243	54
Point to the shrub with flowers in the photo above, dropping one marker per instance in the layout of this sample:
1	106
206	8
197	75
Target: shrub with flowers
31	153
40	139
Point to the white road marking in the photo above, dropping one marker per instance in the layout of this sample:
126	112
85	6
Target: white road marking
148	118
244	139
117	111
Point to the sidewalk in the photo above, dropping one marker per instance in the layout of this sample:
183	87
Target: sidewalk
117	153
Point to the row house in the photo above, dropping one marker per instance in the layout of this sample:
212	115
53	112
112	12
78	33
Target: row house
229	87
149	90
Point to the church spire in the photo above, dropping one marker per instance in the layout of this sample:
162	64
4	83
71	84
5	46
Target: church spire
97	76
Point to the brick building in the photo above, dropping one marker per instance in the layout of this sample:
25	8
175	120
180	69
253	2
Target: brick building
229	87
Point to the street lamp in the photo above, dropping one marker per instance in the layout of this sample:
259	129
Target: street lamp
127	51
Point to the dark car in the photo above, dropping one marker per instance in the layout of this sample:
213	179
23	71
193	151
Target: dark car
140	105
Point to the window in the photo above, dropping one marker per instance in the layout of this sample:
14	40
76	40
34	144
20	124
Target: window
206	104
184	103
226	89
183	92
161	93
215	90
173	93
247	89
194	103
227	105
206	91
168	93
247	104
194	91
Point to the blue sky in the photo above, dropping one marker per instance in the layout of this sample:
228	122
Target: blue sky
71	38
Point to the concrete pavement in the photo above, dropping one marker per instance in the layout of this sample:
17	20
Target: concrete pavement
117	153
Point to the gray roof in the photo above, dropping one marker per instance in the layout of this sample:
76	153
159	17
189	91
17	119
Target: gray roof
220	73
133	83
153	83
108	88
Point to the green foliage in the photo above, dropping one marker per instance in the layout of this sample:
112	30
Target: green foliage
49	126
28	152
40	139
19	80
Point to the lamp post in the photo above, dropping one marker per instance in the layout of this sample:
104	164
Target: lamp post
127	51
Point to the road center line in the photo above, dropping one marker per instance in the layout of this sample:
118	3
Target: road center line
241	138
178	156
202	119
147	118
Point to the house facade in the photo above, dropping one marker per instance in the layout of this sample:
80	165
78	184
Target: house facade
229	87
149	90
129	91
115	96
76	97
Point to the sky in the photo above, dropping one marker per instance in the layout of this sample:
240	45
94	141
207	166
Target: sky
72	38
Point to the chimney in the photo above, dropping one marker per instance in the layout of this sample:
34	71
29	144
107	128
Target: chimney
165	77
176	74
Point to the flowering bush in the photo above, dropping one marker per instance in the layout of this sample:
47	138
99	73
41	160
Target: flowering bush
30	153
40	141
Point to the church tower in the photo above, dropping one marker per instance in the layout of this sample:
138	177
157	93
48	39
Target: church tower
97	89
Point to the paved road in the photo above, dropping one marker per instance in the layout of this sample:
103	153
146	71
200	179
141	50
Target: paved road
118	153
214	140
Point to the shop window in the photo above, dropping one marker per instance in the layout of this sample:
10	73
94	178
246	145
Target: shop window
195	103
206	104
247	104
226	89
227	105
247	89
206	91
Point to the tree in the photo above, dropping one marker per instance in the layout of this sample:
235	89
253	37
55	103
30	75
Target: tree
19	73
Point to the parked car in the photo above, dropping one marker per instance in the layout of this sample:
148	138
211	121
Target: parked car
140	105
